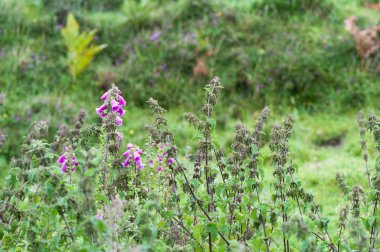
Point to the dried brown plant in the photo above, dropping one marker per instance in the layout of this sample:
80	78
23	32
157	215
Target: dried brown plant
367	41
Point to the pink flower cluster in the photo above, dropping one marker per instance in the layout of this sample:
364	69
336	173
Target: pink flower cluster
113	103
68	160
99	216
161	155
133	155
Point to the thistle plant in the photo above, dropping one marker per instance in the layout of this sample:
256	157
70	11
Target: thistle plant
163	198
3	138
374	128
363	144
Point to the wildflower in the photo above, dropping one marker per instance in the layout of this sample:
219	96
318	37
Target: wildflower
62	159
122	102
100	110
133	153
105	96
112	99
68	160
162	157
99	216
127	153
155	36
121	111
126	162
119	121
114	105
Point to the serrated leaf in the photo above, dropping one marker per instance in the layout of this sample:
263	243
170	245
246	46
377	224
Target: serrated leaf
212	228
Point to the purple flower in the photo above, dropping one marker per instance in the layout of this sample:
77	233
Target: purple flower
114	105
151	163
100	110
122	102
140	166
136	156
105	96
126	162
133	153
113	102
64	167
159	168
62	159
127	153
119	121
129	146
121	111
155	36
68	160
170	161
99	216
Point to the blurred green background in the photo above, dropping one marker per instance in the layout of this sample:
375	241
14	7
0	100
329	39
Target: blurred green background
292	55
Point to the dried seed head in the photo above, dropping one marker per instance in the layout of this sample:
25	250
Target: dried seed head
342	184
258	131
343	216
194	120
213	91
357	191
153	104
39	131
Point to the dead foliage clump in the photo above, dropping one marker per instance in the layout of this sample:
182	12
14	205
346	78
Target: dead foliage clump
367	40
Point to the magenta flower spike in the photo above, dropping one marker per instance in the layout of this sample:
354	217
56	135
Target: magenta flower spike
114	105
140	166
127	153
140	151
170	161
100	111
62	159
64	167
104	96
126	162
122	102
129	146
136	156
119	121
121	111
